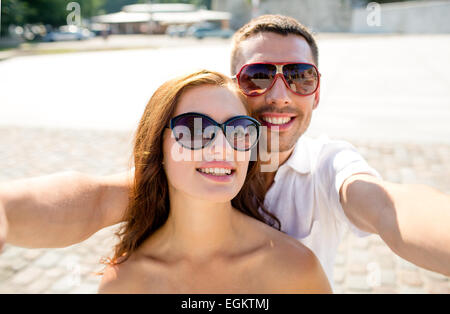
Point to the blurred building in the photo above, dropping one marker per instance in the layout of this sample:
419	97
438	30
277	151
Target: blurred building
425	16
404	17
318	15
155	18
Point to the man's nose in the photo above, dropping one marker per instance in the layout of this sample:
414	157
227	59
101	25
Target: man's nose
279	93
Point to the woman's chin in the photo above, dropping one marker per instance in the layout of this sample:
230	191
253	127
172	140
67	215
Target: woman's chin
216	194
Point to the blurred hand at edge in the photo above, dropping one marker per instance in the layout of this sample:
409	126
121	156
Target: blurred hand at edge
3	227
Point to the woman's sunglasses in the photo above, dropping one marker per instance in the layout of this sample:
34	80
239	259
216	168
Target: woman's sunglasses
194	131
255	79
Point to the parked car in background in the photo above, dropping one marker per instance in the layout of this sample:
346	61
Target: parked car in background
66	33
177	30
201	31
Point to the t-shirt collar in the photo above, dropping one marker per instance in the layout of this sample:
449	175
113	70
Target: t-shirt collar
299	159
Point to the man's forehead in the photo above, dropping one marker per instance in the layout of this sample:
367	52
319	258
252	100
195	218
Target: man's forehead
271	47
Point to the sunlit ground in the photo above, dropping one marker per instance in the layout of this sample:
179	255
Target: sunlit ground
388	95
381	87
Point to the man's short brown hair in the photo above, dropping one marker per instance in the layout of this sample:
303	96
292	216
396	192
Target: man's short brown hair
279	24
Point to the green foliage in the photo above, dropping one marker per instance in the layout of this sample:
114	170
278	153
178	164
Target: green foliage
91	7
111	6
51	12
13	12
54	12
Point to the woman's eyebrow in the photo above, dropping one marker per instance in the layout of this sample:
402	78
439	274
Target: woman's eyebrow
227	117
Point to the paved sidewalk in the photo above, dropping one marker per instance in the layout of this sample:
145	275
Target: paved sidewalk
114	42
364	265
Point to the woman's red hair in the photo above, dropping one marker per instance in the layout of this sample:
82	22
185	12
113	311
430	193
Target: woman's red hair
149	206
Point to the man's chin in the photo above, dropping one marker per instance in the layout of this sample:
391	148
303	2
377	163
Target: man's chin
274	147
274	156
280	149
279	143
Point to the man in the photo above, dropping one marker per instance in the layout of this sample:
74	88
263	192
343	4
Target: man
320	188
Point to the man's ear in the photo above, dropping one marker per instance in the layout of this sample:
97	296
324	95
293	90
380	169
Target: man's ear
316	98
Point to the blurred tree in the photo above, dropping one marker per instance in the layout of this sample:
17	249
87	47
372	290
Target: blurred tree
52	12
111	6
13	12
91	7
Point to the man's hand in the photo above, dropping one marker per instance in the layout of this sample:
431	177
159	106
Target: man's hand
62	209
413	220
3	226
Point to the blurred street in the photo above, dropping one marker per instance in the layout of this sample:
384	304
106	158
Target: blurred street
386	87
113	42
386	94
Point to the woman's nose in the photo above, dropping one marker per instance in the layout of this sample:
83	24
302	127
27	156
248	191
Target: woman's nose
220	148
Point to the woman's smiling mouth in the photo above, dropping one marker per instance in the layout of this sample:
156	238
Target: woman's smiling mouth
219	171
216	171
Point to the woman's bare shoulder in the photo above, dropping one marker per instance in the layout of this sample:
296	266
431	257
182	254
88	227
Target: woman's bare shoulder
109	279
290	266
295	269
118	278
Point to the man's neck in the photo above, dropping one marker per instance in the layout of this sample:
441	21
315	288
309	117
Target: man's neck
269	177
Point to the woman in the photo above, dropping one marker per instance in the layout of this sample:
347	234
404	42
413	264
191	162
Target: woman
196	221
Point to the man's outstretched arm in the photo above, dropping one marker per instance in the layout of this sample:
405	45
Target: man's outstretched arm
61	209
412	219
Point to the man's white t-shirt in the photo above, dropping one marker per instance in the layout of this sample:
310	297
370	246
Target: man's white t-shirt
305	195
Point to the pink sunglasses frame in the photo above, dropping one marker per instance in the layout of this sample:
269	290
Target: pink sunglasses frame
279	66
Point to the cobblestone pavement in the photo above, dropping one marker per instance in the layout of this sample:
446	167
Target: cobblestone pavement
363	265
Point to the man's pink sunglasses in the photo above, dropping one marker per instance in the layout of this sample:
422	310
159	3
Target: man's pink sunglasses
255	79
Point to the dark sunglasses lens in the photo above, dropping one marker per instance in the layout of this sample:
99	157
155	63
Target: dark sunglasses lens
255	79
193	131
242	134
302	78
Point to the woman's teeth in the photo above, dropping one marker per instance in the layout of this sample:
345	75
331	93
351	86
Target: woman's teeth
216	171
273	120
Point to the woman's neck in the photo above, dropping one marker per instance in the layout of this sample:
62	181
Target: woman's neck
198	229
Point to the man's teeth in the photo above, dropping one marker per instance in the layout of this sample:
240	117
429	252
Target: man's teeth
216	171
274	120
